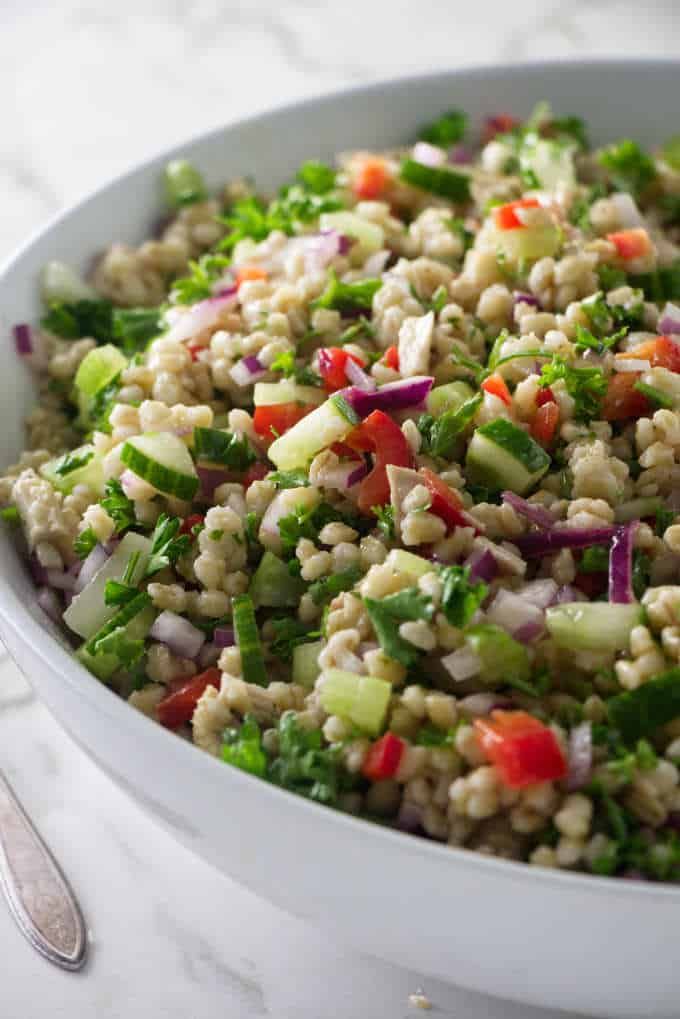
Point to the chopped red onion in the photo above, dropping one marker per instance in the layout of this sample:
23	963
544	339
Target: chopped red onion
37	570
178	633
358	474
529	632
621	564
410	817
90	566
247	371
392	396
61	579
547	542
541	592
669	323
580	756
462	664
537	514
211	478
483	565
460	154
515	614
23	339
224	636
358	377
428	155
567	593
208	655
198	317
522	297
49	603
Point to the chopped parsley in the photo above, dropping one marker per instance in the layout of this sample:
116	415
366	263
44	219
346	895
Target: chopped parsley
347	297
118	506
289	479
585	340
288	634
303	375
304	765
222	447
461	597
203	274
441	434
306	522
84	543
242	747
385	518
664	519
389	613
586	386
128	328
166	545
629	168
446	130
325	590
73	461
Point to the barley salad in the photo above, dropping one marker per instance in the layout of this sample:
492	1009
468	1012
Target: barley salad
371	489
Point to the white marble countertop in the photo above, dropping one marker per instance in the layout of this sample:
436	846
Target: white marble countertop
88	89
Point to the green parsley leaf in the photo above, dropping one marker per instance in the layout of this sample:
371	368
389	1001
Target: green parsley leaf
304	766
586	341
305	522
325	590
134	327
347	297
586	386
219	446
203	274
84	543
571	128
116	593
610	278
242	747
288	633
118	506
166	545
303	375
387	615
441	434
460	597
628	166
72	320
385	518
317	177
96	416
664	519
126	650
289	479
431	736
446	130
72	462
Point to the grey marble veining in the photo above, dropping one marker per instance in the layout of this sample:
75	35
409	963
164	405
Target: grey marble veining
88	88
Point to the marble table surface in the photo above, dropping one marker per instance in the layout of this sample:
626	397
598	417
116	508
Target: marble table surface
88	88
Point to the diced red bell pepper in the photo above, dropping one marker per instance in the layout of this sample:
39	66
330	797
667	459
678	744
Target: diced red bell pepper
333	366
380	435
497	386
622	400
190	522
631	244
275	419
247	273
499	123
505	216
195	349
661	352
178	707
391	358
371	178
545	395
383	757
256	472
445	502
544	423
524	750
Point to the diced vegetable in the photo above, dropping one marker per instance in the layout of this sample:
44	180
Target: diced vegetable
163	460
406	562
496	385
98	369
594	626
183	183
82	466
105	665
445	502
438	180
178	707
381	435
501	455
551	163
88	611
622	400
306	663
383	758
369	236
273	585
523	749
248	640
502	657
333	366
640	712
274	420
621	565
505	216
362	700
451	396
287	391
661	352
631	244
545	422
371	178
329	423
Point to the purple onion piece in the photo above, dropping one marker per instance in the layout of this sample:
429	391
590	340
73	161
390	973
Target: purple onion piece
61	579
529	631
621	564
181	636
579	756
210	478
410	817
460	154
224	636
358	377
390	397
547	542
23	339
522	297
482	564
538	515
358	474
669	323
91	565
49	603
428	155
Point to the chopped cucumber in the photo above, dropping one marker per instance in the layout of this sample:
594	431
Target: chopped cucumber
273	585
592	626
88	612
62	478
98	369
362	700
183	183
306	663
163	460
501	455
248	640
637	509
452	396
370	236
104	665
526	243
551	162
503	658
119	619
267	393
406	562
661	387
329	423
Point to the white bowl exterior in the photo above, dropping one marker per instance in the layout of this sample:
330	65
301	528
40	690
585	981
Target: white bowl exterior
592	945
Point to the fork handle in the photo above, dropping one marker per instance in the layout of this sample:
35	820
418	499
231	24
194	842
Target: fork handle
38	894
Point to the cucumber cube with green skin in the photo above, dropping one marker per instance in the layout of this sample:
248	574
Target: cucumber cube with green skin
362	700
501	455
273	586
98	369
266	394
448	397
502	657
163	460
406	562
103	666
593	626
527	244
327	424
306	663
90	474
88	611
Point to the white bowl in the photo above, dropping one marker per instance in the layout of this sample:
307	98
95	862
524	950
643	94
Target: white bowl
589	944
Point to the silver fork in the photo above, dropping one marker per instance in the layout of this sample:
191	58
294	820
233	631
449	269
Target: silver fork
39	896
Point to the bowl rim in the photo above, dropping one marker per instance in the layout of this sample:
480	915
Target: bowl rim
56	658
